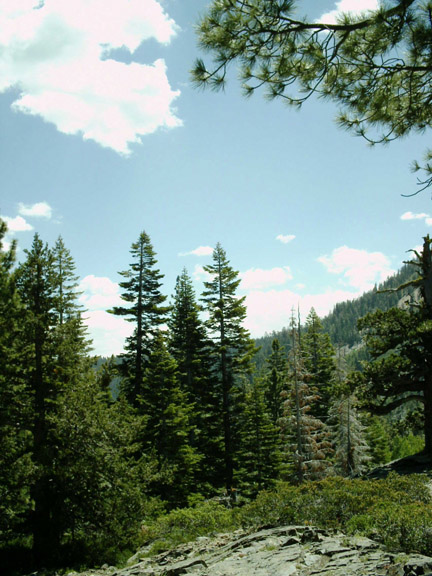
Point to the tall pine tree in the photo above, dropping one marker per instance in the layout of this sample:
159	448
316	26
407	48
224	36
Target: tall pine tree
189	345
319	360
306	438
16	467
276	379
232	347
145	309
169	426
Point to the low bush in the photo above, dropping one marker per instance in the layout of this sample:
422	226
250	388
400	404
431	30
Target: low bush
186	524
397	511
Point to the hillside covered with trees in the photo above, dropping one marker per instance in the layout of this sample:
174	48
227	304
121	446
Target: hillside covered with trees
341	323
81	469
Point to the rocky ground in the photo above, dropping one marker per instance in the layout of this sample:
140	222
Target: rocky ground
283	551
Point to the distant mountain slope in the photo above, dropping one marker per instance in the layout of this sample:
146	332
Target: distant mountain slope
341	323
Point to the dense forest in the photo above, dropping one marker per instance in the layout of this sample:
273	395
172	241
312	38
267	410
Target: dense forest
341	322
194	415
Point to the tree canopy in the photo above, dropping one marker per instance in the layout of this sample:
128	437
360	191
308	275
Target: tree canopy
377	66
399	341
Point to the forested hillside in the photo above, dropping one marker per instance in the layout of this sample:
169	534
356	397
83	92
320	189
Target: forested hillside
341	323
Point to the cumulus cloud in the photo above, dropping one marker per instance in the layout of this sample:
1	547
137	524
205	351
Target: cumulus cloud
256	278
359	268
348	6
200	251
108	332
99	293
412	216
200	275
59	55
17	224
285	238
419	216
38	210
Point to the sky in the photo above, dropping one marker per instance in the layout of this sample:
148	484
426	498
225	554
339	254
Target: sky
102	136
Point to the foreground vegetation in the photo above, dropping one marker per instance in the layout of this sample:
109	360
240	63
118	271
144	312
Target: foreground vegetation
396	511
81	468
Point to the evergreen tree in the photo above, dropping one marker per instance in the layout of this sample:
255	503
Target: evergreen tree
36	284
257	463
141	291
351	454
305	437
189	346
376	65
378	437
102	484
16	467
187	338
54	353
169	429
399	341
232	347
276	379
318	355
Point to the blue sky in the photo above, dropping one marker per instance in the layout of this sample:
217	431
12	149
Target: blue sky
102	136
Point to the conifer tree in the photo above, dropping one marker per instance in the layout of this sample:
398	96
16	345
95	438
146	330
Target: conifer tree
379	440
36	284
141	291
351	454
169	428
306	438
16	467
103	485
54	353
257	464
319	361
276	379
348	433
189	346
187	338
232	347
399	341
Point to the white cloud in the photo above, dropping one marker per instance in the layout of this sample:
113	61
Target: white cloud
256	278
99	293
412	216
428	221
58	54
107	331
360	269
271	310
285	238
200	275
38	210
352	6
6	245
200	251
17	224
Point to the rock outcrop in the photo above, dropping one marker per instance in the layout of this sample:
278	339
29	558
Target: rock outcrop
282	551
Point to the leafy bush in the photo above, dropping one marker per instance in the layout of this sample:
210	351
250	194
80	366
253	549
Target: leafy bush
186	524
396	510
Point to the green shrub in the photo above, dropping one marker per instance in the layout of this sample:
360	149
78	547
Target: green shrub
185	524
396	510
407	528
